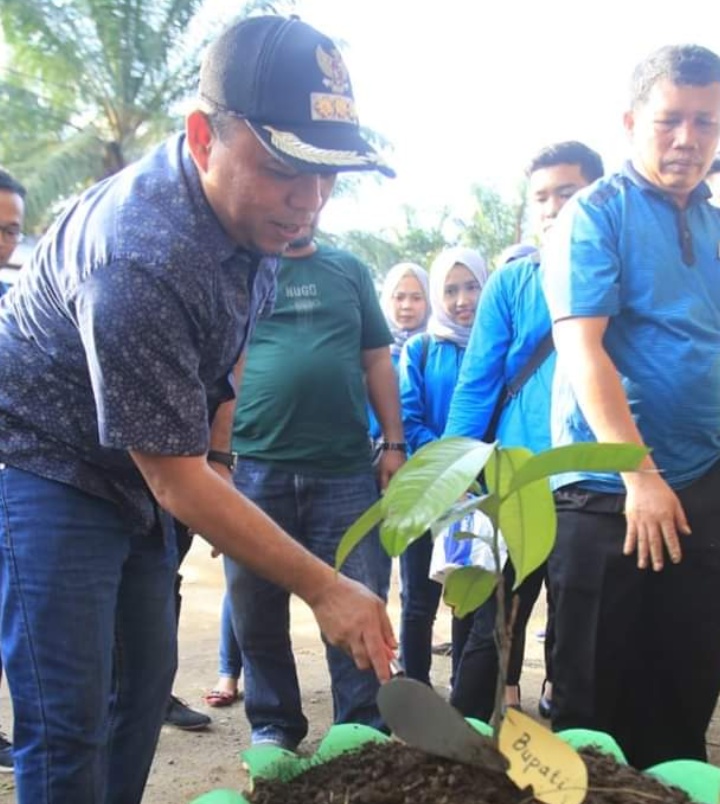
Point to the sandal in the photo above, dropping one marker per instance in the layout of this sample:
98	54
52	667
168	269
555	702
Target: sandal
219	698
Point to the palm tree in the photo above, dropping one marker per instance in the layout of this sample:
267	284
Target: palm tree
90	84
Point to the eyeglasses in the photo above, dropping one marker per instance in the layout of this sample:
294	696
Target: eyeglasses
11	233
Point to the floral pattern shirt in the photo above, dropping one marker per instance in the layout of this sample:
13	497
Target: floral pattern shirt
123	330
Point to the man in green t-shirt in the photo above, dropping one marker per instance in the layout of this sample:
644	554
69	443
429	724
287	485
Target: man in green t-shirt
301	432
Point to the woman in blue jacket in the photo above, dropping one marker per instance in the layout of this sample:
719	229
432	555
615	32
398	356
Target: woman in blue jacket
405	301
429	367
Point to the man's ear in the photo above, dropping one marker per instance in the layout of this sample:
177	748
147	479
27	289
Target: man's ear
200	138
629	122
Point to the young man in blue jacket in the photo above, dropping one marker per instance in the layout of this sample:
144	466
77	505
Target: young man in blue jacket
512	320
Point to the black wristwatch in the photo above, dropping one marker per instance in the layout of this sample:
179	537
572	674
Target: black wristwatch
393	446
229	459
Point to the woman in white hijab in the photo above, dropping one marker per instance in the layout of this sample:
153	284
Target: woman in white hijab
429	368
405	301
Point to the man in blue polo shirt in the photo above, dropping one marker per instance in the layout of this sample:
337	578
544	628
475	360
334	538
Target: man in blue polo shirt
117	349
631	277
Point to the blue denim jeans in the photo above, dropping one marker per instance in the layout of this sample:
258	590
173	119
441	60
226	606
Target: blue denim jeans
420	599
88	640
315	511
230	655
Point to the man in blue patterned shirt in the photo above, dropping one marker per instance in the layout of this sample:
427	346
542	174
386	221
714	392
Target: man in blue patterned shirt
116	398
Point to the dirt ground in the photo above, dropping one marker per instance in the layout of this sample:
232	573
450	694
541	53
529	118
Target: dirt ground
188	764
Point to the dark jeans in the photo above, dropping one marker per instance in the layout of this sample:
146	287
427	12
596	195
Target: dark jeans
475	686
316	511
184	543
420	598
88	638
637	652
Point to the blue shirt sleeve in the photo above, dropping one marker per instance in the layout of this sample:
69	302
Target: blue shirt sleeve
145	366
413	396
581	263
482	374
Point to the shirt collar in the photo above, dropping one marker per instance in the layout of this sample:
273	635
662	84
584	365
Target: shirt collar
698	195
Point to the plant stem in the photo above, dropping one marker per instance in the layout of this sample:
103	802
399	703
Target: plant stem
503	639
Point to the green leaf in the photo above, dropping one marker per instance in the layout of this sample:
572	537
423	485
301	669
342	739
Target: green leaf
467	588
429	484
455	513
490	505
357	532
506	463
587	457
528	524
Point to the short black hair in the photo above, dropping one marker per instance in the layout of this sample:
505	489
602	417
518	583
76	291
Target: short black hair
683	65
714	166
570	152
8	183
222	123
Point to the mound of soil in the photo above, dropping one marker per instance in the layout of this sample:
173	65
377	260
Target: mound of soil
393	773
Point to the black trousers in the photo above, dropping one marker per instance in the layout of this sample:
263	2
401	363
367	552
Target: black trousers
474	687
637	652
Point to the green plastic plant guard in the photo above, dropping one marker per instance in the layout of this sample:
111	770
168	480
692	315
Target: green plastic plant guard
481	726
271	762
588	738
221	797
346	737
698	779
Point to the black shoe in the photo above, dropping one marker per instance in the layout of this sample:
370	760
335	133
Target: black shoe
180	715
7	764
442	649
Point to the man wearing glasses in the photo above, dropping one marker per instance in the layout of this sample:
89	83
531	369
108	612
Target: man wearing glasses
12	211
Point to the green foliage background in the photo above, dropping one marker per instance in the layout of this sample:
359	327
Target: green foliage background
87	86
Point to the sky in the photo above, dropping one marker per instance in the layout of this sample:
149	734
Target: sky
466	91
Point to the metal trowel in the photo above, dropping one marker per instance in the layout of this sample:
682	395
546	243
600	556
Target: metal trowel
420	717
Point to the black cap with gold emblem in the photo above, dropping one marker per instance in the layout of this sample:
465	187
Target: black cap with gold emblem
289	82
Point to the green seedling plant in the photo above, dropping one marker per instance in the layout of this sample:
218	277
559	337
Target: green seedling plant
439	486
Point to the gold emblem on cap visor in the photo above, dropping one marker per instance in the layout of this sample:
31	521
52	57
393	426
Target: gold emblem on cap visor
337	78
287	143
335	108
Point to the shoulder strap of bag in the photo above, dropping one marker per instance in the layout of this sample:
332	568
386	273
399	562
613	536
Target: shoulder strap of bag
424	355
512	389
537	358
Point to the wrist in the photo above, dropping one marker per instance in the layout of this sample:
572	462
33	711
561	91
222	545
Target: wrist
642	476
317	583
227	459
392	446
